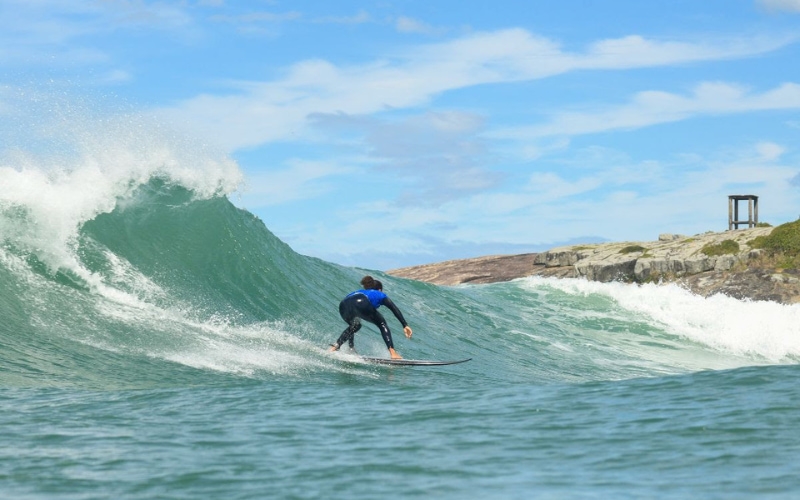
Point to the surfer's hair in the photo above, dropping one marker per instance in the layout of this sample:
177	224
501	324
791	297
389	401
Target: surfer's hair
378	285
368	282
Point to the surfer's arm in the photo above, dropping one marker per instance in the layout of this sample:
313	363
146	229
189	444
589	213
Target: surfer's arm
397	314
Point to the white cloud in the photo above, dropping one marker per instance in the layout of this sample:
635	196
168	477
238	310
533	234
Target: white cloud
45	23
300	181
781	5
548	186
56	32
439	155
360	17
405	24
136	12
769	151
654	107
257	17
262	112
636	51
116	76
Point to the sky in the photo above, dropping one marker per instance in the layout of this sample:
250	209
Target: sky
383	134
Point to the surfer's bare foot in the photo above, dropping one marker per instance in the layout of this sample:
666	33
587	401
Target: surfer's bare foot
394	354
334	347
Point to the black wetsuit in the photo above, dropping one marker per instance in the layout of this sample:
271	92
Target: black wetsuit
364	304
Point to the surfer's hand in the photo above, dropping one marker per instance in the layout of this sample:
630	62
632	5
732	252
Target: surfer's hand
407	331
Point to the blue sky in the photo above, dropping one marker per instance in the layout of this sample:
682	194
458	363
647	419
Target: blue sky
382	134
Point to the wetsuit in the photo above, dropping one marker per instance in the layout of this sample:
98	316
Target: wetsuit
364	304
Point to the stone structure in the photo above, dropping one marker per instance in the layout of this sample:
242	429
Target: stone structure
733	210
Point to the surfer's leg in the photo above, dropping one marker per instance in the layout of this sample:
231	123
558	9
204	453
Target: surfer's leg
347	335
357	306
347	310
377	319
387	338
386	334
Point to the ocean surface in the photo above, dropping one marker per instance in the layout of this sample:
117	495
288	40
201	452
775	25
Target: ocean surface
156	341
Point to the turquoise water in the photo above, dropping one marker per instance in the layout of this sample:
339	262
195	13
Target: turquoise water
158	342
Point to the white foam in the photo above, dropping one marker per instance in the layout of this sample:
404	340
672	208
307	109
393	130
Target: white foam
764	330
62	164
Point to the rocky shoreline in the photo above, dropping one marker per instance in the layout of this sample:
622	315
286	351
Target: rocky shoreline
744	274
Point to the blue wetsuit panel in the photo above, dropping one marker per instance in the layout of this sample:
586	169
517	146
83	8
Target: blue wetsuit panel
376	297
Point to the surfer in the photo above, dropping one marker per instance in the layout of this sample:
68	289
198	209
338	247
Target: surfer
364	304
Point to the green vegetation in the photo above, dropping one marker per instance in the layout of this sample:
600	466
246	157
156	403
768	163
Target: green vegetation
633	248
782	245
784	239
726	247
763	224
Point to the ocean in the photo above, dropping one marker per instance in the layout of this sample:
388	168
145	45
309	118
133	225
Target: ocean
156	341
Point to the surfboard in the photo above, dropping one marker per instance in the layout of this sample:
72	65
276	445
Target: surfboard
412	362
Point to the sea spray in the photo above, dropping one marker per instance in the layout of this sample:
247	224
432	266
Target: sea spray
71	162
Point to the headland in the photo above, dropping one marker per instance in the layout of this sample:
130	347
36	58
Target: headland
736	263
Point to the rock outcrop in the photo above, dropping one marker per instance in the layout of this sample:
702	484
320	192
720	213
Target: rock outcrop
489	269
673	258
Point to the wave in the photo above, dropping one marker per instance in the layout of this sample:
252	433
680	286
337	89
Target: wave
761	331
124	264
175	287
